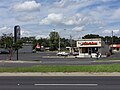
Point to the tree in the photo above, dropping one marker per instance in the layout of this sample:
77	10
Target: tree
106	39
28	40
54	40
7	43
89	36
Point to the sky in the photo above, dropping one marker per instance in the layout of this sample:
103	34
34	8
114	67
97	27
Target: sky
68	17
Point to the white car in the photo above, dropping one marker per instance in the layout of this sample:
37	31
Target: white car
75	53
62	54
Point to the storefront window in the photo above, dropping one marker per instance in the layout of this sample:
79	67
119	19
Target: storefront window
85	50
94	49
89	50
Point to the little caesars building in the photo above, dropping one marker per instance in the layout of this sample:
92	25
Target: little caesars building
89	48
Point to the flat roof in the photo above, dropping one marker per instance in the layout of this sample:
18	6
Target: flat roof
92	39
115	45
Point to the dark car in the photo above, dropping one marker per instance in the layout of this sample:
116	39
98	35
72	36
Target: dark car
4	51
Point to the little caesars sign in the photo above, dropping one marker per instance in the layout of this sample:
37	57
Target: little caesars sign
88	43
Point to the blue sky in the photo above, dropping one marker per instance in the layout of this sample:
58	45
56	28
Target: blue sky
68	17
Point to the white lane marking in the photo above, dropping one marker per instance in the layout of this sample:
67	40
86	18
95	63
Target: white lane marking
65	84
18	84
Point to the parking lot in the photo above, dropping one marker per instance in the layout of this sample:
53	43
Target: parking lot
49	56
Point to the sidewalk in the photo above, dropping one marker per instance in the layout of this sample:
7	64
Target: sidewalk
61	74
19	61
34	61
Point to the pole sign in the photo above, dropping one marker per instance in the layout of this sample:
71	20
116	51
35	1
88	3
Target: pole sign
16	33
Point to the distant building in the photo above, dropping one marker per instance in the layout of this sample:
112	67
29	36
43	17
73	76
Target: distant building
90	47
38	46
115	47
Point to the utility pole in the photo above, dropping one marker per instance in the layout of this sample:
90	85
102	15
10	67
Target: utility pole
112	43
71	40
71	43
59	42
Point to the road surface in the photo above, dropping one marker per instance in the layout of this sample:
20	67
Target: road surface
60	83
50	58
48	55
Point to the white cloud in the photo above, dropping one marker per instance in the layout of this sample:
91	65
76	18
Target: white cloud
27	6
60	14
5	30
116	14
78	29
69	22
25	18
107	0
77	19
25	33
74	3
115	31
52	18
28	33
69	7
107	31
8	30
44	36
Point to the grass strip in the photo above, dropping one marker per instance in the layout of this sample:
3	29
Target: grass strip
47	68
110	59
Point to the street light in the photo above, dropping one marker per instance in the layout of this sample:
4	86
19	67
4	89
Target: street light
112	44
59	49
59	42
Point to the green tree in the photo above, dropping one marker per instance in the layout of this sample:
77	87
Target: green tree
89	36
7	43
107	39
54	40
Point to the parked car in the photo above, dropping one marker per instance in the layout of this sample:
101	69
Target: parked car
4	51
33	51
75	53
62	54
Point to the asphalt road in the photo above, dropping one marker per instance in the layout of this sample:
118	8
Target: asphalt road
60	83
28	56
50	58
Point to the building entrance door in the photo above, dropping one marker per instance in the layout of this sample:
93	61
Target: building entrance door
84	50
89	51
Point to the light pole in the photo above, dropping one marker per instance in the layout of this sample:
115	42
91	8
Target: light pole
112	43
58	39
60	42
71	44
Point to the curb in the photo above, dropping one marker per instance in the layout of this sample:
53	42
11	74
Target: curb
3	61
61	74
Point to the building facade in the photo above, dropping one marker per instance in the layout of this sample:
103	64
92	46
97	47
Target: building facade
115	47
90	47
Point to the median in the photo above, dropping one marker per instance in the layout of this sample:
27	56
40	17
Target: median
54	68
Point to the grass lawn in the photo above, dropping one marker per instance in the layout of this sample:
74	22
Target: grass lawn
47	68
